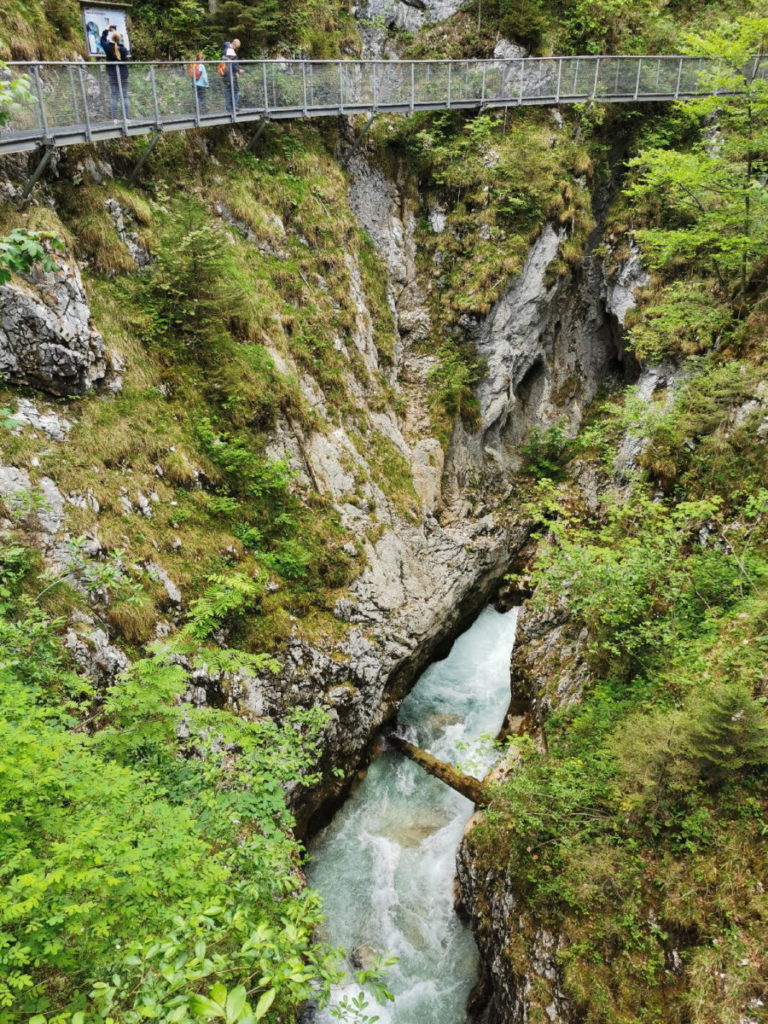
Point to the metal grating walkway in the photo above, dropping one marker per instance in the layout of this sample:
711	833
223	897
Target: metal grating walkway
75	102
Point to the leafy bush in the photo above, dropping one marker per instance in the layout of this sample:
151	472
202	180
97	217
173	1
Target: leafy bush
190	292
20	250
546	452
453	381
15	94
146	857
728	733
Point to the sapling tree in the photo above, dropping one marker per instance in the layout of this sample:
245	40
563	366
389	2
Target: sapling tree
728	733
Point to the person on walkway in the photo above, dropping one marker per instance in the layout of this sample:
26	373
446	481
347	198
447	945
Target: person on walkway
117	70
199	75
230	71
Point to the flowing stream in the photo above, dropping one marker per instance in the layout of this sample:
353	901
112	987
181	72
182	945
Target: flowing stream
386	863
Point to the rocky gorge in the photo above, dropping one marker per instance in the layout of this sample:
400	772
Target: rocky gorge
283	423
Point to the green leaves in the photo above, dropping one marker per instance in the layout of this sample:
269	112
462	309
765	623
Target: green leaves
709	241
146	858
232	1007
20	250
264	1003
15	94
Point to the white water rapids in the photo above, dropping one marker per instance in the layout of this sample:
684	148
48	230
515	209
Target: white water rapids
386	863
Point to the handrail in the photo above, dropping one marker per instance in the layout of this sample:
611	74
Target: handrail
118	99
354	61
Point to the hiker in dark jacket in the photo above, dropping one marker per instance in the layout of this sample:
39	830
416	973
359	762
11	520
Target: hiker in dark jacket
105	36
117	70
229	69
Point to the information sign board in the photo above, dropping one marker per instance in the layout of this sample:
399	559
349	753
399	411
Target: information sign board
97	18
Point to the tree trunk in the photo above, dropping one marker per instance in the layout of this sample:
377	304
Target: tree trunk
467	785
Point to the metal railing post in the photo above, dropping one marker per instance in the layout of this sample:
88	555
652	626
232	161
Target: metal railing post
197	97
522	80
559	76
304	86
482	85
618	74
266	88
84	96
341	87
679	76
450	65
576	76
38	173
231	77
71	76
123	98
41	103
413	85
374	94
597	73
144	156
155	101
637	80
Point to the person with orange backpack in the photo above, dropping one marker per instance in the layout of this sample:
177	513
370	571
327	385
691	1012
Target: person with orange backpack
198	72
229	69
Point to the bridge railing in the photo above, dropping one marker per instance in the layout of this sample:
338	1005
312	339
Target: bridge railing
78	101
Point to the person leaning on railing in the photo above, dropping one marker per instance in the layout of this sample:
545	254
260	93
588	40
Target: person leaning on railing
117	70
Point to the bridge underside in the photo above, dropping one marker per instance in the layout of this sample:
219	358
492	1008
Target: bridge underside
75	134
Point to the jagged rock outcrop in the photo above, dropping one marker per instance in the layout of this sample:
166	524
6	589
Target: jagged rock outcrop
421	586
92	652
47	340
39	508
622	284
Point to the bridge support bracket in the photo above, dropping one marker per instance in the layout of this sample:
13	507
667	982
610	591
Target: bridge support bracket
257	134
38	172
359	140
144	156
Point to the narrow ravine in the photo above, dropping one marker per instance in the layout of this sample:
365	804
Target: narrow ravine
385	865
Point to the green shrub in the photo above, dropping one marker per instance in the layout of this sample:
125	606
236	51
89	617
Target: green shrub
547	451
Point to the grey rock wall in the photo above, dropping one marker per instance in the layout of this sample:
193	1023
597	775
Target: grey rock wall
509	988
47	340
410	15
546	347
